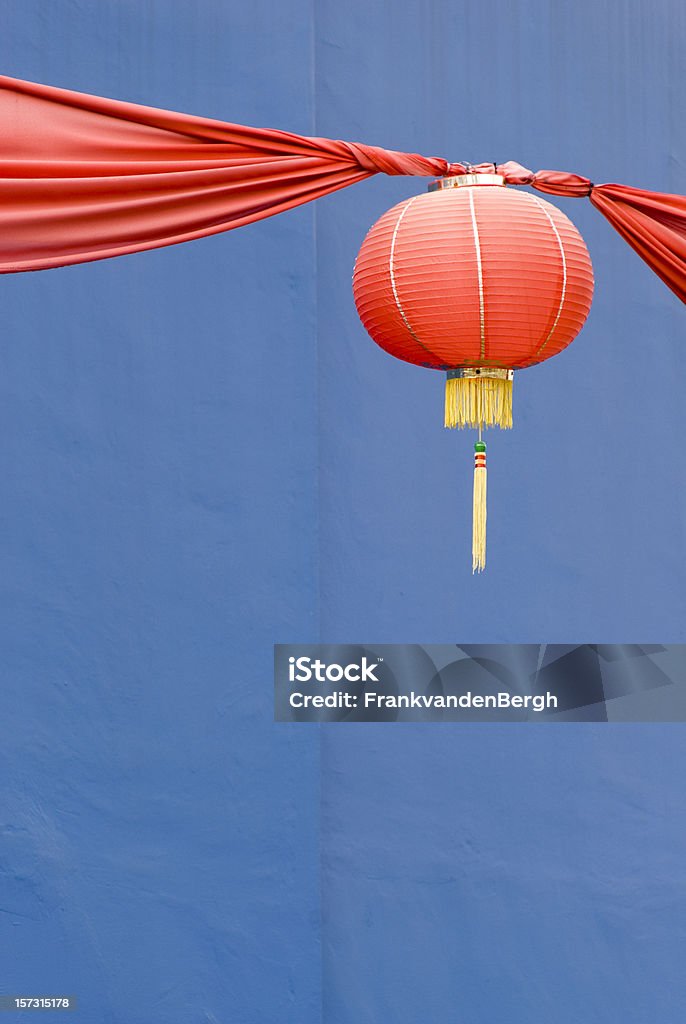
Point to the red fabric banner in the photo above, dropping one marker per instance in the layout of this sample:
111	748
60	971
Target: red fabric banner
653	223
85	178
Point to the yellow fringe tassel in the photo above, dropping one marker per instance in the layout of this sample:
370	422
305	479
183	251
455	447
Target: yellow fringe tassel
478	402
479	520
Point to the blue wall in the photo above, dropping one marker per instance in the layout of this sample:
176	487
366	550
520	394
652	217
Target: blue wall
202	454
159	468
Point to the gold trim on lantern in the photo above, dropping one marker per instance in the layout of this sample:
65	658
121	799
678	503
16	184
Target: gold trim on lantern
477	396
460	180
495	372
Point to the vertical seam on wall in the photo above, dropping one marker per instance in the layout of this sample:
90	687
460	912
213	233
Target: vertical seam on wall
479	268
317	397
318	527
564	275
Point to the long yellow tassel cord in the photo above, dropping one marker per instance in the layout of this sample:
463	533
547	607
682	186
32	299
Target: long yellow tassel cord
479	518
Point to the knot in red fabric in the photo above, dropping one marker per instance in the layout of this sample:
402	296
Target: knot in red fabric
562	183
515	174
555	183
452	170
388	161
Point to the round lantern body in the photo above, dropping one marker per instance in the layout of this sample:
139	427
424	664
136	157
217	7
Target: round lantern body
473	276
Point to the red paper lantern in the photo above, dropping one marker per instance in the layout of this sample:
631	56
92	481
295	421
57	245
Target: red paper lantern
478	280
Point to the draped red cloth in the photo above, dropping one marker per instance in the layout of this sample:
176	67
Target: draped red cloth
84	178
653	223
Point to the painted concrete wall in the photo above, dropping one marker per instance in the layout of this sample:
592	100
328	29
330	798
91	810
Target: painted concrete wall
202	453
159	467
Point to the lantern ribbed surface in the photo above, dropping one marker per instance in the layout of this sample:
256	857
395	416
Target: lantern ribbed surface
474	276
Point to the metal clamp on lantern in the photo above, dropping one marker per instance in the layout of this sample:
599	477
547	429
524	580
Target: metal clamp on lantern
467	179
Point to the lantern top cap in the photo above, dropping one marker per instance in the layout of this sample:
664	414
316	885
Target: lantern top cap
460	180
